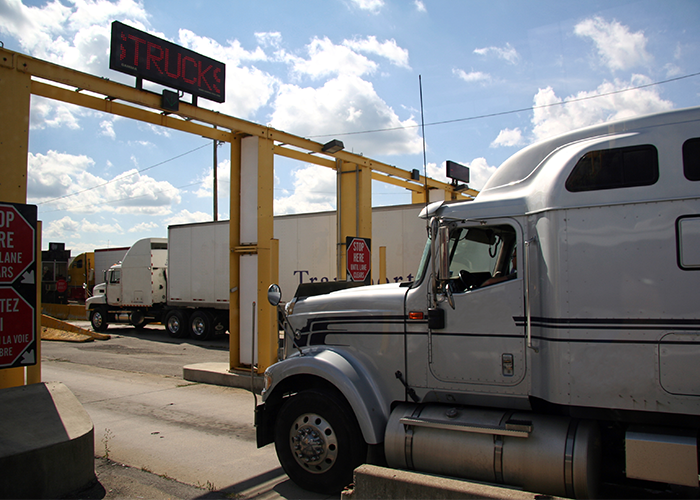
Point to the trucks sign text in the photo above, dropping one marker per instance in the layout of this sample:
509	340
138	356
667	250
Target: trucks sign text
142	55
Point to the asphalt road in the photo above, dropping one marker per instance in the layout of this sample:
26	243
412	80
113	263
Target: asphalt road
157	435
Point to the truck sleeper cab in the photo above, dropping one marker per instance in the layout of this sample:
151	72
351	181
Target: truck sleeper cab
550	341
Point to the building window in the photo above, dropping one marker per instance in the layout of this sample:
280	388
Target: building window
615	168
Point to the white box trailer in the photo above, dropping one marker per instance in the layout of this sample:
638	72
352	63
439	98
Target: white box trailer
189	271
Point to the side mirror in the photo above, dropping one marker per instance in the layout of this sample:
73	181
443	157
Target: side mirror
274	294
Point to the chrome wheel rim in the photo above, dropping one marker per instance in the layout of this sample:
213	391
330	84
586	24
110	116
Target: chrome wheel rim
313	443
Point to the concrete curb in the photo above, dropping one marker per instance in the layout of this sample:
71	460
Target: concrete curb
373	482
219	374
46	442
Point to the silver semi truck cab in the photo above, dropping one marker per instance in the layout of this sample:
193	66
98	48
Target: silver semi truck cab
550	340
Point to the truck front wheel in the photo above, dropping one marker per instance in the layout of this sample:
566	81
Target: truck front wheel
98	319
176	324
318	441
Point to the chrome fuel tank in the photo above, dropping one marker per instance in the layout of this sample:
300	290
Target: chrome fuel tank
540	453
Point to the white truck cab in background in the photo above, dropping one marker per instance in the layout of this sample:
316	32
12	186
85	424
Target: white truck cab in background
550	340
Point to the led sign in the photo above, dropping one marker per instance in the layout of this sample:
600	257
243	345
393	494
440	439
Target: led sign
142	55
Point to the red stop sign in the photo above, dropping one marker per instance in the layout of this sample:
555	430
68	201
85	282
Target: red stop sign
358	260
16	244
16	330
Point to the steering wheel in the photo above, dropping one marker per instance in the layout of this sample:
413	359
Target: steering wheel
467	279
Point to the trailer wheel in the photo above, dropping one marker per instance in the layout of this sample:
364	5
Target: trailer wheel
138	319
176	324
201	325
98	319
318	441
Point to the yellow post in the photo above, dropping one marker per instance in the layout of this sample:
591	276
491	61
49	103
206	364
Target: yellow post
382	266
354	207
15	95
234	258
34	371
268	261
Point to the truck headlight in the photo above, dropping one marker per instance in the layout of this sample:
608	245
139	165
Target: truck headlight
267	381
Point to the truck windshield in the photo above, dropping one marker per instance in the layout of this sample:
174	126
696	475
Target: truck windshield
423	263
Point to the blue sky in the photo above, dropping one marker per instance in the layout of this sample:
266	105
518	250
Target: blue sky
496	76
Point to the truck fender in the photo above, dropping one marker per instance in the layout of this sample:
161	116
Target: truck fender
345	375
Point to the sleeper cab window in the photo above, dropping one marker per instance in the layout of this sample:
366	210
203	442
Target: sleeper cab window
615	168
691	159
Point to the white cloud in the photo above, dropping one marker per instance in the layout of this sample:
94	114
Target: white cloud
553	120
507	53
187	217
47	113
269	39
473	76
345	104
314	191
61	228
328	59
370	5
618	48
107	127
388	49
508	137
90	227
143	227
420	6
61	181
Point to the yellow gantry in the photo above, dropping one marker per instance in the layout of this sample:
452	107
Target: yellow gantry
22	76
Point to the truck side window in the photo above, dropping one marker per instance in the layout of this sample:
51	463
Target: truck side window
691	159
481	256
115	276
615	168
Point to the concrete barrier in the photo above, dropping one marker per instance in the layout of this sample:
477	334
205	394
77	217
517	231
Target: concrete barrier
373	482
46	442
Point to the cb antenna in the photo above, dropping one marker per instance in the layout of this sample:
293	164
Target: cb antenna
422	126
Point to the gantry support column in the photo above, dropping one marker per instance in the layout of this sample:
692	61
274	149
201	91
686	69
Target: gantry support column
354	201
234	231
258	255
15	95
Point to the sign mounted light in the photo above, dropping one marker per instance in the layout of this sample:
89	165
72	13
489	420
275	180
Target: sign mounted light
151	58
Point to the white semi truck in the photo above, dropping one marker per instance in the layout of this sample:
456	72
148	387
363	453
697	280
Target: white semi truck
177	280
550	340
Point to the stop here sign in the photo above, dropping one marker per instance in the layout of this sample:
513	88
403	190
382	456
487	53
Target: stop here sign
16	243
359	259
17	346
17	285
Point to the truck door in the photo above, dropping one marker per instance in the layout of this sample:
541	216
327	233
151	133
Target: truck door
114	287
483	339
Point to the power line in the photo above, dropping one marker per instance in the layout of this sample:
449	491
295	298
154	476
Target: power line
512	111
123	176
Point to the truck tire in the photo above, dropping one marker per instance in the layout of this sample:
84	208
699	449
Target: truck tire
318	441
201	327
138	320
176	324
98	319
